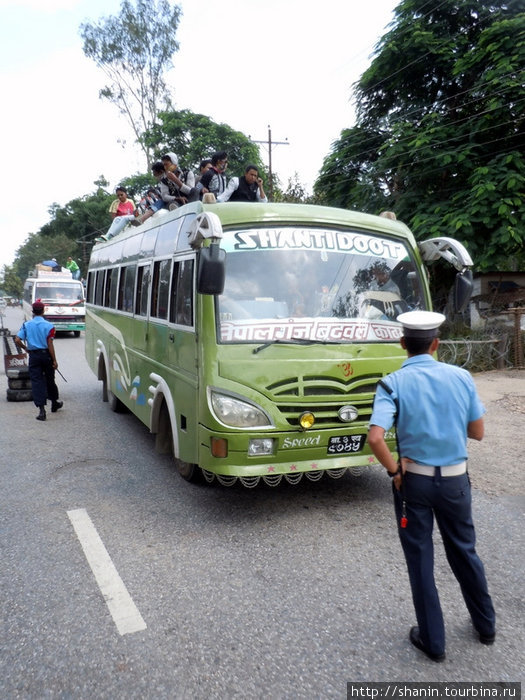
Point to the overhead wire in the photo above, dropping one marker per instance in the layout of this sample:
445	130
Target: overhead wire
482	157
454	138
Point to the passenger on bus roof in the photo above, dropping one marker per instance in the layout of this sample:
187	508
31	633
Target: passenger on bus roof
73	267
204	165
122	211
181	183
248	188
151	203
214	179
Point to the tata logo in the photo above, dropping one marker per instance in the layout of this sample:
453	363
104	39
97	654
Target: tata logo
310	441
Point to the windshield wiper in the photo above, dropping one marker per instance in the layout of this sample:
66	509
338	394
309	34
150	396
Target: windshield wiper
292	341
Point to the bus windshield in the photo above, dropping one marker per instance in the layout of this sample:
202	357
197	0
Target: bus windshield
59	293
288	284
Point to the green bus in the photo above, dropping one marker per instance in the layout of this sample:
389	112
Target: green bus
249	338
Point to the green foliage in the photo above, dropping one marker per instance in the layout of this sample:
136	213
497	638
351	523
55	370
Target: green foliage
193	137
440	132
135	50
11	283
295	193
37	248
81	218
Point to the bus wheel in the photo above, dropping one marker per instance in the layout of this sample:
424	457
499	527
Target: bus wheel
76	334
189	472
107	395
164	435
115	403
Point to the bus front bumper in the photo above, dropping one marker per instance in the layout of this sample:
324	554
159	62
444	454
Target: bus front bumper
237	462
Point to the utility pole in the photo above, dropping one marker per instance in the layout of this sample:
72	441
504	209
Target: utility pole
271	143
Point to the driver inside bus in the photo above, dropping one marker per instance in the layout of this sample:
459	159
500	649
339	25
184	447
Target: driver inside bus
382	280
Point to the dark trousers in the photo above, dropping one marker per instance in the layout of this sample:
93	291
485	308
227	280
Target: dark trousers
448	499
42	377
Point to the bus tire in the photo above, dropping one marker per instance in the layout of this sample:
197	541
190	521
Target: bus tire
76	334
115	403
18	384
164	445
104	377
19	394
18	373
164	434
189	472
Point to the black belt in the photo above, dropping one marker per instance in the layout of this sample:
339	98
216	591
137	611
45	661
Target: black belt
39	350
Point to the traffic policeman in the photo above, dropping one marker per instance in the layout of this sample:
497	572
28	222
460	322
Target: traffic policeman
36	338
434	407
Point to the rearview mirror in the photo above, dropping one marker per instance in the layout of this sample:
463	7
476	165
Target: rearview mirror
211	270
463	286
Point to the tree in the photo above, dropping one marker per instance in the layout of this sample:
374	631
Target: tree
440	128
295	192
11	283
71	231
195	136
135	50
81	218
37	248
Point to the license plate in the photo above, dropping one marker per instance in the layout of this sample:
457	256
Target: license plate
343	444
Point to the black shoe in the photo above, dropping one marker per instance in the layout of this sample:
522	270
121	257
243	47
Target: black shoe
42	414
487	638
56	405
416	641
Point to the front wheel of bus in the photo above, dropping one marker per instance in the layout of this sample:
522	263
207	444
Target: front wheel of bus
189	472
164	445
115	403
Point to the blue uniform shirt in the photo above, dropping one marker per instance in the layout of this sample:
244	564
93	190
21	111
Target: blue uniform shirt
36	333
437	401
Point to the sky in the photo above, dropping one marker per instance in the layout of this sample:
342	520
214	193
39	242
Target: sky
285	64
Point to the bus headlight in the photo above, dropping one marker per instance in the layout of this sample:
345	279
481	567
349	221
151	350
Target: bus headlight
260	446
237	413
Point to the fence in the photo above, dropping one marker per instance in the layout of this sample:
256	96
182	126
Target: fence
497	348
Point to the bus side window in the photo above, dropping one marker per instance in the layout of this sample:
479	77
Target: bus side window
181	302
113	288
160	288
173	292
28	293
99	289
141	299
126	288
90	285
107	289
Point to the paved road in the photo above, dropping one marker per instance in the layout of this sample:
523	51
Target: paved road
265	593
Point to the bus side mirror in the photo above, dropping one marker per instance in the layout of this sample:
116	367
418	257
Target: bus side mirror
463	286
211	270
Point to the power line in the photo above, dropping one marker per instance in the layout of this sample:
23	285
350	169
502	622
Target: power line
461	120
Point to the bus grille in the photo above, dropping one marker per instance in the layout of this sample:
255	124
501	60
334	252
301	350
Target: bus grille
324	397
64	319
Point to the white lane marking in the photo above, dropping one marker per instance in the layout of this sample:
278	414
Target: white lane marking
124	612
